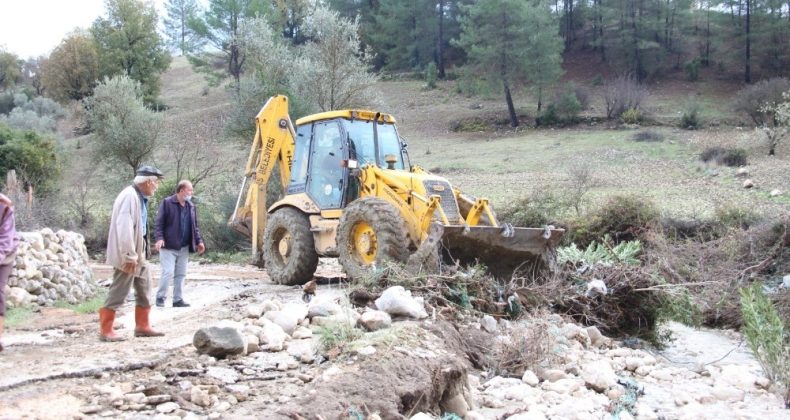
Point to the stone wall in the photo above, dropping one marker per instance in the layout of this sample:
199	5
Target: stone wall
50	266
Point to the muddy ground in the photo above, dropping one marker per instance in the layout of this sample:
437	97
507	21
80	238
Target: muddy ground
55	367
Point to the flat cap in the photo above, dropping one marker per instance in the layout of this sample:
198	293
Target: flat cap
149	171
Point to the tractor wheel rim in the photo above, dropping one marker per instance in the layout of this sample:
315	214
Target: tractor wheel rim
284	246
364	243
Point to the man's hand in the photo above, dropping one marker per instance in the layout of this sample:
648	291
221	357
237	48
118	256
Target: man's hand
129	267
5	200
201	248
159	244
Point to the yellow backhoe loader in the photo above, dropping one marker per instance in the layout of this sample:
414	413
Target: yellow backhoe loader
350	192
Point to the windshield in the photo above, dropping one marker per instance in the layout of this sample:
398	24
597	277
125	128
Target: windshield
361	134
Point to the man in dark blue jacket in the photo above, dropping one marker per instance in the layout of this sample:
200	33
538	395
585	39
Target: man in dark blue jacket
177	235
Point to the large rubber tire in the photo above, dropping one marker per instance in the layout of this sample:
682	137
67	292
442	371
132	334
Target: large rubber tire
288	247
371	231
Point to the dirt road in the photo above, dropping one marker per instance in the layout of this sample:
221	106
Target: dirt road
52	363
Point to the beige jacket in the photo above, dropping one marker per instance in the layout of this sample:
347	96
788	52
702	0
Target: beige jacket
125	241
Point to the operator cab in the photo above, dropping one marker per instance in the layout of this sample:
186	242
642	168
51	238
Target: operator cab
325	145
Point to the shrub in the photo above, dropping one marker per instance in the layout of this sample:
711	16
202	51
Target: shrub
539	209
690	120
528	346
724	156
648	136
33	157
631	116
692	69
214	224
622	94
759	99
735	216
595	253
6	102
597	80
431	75
337	335
568	103
622	217
28	120
549	117
39	114
765	333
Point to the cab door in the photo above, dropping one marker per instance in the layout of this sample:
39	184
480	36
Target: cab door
326	174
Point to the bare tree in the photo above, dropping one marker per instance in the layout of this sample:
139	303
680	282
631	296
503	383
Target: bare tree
196	153
582	180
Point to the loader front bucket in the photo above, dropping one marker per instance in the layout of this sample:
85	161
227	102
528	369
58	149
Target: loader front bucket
502	249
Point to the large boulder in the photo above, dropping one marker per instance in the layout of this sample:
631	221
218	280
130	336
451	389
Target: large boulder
219	341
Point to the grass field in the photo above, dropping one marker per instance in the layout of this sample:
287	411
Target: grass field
510	164
505	164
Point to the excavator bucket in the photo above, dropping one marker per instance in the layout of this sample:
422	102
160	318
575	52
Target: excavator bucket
504	250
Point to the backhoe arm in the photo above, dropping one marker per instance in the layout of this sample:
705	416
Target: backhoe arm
273	143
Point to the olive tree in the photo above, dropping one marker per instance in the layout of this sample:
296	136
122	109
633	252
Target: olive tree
126	132
331	70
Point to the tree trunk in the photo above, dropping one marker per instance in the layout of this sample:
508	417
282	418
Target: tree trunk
510	108
706	60
747	76
440	42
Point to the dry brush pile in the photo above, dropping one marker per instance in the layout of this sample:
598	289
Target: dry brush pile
625	284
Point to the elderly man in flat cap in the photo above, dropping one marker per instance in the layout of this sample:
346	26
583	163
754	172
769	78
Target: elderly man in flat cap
126	252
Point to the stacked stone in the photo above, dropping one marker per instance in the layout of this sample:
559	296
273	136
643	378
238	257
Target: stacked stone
49	267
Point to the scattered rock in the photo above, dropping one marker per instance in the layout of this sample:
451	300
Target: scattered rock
199	397
596	338
456	404
253	343
219	341
599	375
272	337
530	378
323	306
551	375
285	319
372	320
167	407
254	311
90	409
301	333
775	193
488	323
742	172
226	375
748	183
367	351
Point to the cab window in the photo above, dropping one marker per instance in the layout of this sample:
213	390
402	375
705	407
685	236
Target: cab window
301	155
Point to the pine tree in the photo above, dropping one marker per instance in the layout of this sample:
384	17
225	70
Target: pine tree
512	42
179	25
219	28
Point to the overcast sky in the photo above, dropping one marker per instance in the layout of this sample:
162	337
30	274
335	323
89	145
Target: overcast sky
30	28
